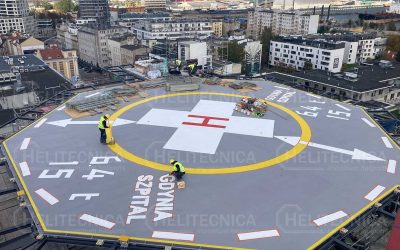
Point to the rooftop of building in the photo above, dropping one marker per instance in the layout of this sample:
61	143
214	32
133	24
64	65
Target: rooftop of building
364	78
348	37
51	54
134	15
132	47
35	76
318	43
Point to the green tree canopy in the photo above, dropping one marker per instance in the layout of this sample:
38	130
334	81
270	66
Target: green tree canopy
391	27
64	6
393	43
235	52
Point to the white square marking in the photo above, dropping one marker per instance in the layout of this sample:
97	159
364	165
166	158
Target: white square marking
173	236
329	218
250	126
374	193
164	118
214	108
195	139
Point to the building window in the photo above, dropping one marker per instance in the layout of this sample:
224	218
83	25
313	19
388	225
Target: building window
71	68
61	67
55	65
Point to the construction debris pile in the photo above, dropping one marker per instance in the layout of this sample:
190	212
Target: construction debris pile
251	106
102	100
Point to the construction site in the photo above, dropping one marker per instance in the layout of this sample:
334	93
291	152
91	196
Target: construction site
267	167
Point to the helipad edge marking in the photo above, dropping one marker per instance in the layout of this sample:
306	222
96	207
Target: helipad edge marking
25	169
386	142
391	167
342	107
279	87
374	193
63	163
25	144
368	122
315	96
258	235
97	221
173	236
329	218
49	198
40	123
351	218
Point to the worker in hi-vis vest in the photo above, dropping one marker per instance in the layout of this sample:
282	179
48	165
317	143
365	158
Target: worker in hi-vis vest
191	68
178	64
102	127
178	169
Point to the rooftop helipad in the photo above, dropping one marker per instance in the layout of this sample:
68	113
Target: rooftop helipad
282	181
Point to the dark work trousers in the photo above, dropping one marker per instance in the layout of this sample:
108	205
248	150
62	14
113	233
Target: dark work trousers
103	136
178	175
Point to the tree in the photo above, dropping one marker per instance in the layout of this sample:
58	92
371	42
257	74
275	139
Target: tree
64	6
391	27
350	23
308	65
235	52
322	29
398	56
44	4
266	38
393	43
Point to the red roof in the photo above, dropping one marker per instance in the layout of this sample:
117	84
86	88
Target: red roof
49	54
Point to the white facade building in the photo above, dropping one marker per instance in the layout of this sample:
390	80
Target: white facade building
188	50
14	15
154	4
295	51
93	44
173	29
252	57
281	22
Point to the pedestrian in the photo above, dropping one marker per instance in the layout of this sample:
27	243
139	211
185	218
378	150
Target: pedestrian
178	169
102	127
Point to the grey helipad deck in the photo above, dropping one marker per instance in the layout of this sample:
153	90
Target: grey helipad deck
276	197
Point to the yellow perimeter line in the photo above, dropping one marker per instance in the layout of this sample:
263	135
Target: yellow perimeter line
354	216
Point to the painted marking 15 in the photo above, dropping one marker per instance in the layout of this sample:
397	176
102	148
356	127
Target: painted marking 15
313	111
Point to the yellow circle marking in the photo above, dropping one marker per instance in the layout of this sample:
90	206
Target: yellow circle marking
297	149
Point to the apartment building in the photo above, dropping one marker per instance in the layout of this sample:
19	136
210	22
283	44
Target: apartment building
155	4
172	29
252	57
189	50
359	47
115	47
19	44
67	34
281	22
97	10
14	16
217	27
295	51
63	61
93	44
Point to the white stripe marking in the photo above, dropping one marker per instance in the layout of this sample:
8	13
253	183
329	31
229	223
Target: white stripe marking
63	163
279	87
173	236
368	122
97	221
25	143
258	235
315	96
342	107
92	95
386	142
392	166
374	193
329	218
24	168
47	196
61	108
40	123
